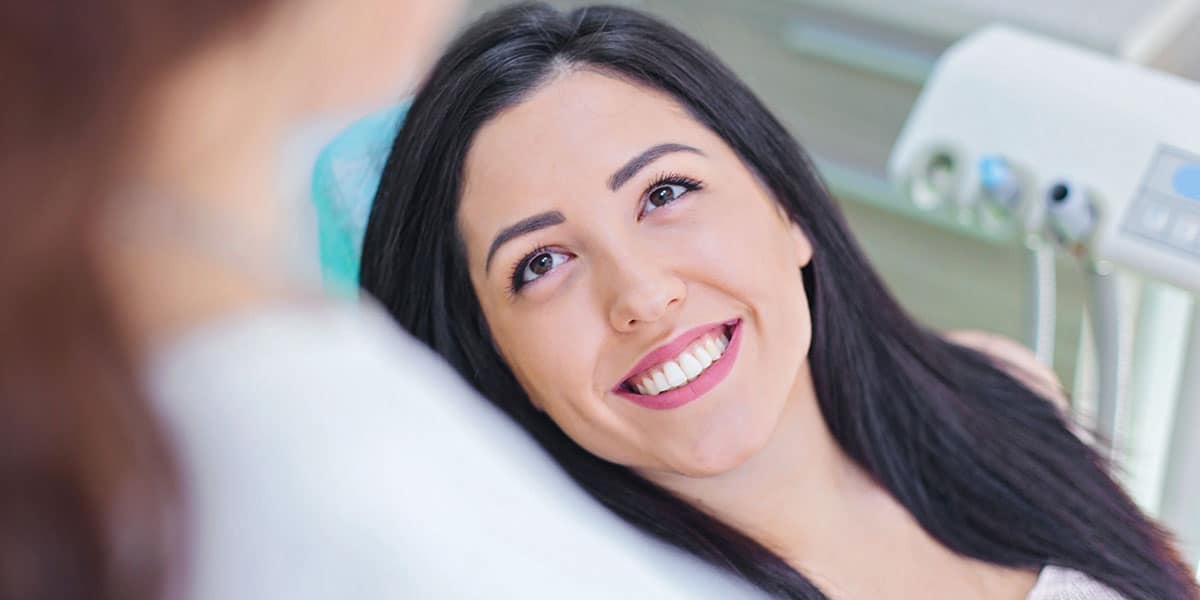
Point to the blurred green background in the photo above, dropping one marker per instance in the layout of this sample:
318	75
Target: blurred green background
843	75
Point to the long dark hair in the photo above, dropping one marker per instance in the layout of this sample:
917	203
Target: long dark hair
986	466
90	501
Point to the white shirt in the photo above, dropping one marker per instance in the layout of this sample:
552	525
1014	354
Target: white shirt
328	455
1058	583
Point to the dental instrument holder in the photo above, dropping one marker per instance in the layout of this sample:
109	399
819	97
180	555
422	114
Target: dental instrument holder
1002	187
1071	217
1128	139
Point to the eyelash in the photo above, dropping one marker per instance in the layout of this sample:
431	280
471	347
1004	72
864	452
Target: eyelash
665	179
515	284
514	279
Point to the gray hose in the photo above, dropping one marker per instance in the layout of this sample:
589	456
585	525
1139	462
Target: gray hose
1040	302
1106	337
1182	479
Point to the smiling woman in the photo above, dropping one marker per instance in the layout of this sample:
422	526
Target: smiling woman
607	234
627	262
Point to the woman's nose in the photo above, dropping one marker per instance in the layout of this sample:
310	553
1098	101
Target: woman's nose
643	293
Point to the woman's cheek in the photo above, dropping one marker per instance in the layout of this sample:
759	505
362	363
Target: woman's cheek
555	352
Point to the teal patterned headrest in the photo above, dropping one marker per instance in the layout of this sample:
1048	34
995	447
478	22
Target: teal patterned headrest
345	179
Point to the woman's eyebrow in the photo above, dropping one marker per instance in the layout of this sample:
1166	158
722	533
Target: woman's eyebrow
522	227
554	217
636	163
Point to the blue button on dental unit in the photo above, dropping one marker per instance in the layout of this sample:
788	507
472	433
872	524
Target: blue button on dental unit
1187	181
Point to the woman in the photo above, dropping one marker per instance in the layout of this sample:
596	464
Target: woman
606	233
179	416
96	281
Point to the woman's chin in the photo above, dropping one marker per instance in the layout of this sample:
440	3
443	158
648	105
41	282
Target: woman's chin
718	454
708	468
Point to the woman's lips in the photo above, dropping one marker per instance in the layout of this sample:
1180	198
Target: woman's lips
675	375
683	367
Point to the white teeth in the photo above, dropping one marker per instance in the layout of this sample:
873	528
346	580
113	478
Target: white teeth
675	375
686	367
651	388
660	382
691	367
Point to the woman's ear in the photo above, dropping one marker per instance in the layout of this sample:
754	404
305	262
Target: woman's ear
801	245
800	242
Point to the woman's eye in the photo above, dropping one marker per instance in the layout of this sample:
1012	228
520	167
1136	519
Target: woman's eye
540	263
663	195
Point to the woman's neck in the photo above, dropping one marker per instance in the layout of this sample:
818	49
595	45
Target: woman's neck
196	230
805	499
792	488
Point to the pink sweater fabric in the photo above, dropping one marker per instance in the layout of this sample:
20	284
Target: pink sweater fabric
1058	583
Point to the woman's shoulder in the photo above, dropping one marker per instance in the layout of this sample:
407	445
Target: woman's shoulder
302	367
1017	360
1060	583
310	343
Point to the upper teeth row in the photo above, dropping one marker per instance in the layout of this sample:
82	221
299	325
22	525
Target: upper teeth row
683	368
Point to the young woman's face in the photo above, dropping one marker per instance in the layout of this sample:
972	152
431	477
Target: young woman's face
639	280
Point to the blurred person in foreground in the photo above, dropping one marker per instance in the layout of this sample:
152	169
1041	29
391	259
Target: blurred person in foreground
179	416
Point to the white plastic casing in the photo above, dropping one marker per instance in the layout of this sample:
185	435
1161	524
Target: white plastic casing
1129	135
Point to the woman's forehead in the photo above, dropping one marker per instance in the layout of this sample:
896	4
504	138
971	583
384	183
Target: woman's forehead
583	122
570	134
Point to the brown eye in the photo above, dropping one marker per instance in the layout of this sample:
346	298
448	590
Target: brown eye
538	264
662	196
542	264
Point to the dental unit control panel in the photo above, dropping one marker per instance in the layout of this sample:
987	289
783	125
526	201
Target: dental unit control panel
1075	127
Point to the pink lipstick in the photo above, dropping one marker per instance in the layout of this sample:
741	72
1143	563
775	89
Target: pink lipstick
705	372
